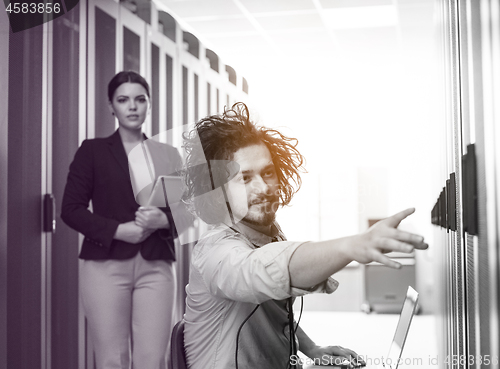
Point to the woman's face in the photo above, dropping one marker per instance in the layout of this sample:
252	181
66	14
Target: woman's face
130	105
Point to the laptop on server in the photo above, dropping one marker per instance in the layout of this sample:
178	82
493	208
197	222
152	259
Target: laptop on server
392	360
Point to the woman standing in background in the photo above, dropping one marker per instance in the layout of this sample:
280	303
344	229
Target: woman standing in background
127	282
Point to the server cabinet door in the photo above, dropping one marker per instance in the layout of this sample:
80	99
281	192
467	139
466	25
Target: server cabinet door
64	135
25	246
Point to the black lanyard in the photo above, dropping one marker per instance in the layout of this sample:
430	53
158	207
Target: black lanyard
293	344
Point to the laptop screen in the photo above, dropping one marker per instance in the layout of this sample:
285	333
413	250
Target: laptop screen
409	307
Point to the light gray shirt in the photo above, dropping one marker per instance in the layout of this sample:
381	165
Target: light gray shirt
231	273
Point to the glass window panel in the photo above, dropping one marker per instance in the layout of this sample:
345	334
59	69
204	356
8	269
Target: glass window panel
245	86
209	98
170	103
185	95
155	89
218	101
131	51
167	25
105	56
196	97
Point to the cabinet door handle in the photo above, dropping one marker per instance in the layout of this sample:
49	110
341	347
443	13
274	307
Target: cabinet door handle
49	213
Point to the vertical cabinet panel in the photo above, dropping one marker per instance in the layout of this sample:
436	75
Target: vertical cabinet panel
25	267
65	129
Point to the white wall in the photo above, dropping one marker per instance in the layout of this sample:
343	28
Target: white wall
366	125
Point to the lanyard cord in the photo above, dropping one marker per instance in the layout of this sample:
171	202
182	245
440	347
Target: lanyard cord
292	337
293	344
301	308
292	352
238	335
292	328
248	317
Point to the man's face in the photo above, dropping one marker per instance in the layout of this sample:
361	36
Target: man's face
254	192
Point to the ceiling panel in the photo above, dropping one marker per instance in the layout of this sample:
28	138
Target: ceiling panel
209	28
264	6
253	31
198	8
353	3
238	51
369	40
361	17
313	52
314	38
239	54
415	15
270	23
231	39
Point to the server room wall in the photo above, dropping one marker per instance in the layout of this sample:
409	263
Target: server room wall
67	64
465	214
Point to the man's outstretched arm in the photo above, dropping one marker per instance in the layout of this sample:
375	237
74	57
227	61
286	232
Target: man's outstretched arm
314	262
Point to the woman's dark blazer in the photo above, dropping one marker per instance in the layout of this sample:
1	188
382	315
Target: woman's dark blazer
100	173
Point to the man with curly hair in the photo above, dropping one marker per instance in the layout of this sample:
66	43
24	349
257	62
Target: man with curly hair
244	274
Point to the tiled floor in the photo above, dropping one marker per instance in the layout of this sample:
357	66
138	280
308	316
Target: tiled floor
370	335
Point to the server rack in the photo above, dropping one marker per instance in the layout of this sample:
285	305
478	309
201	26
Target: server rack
56	97
466	211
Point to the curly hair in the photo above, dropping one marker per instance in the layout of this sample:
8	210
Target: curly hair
220	137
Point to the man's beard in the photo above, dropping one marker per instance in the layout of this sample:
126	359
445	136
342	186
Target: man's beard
264	214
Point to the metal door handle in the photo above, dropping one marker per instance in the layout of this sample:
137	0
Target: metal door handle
49	213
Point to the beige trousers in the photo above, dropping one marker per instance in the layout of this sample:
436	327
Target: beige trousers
129	308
